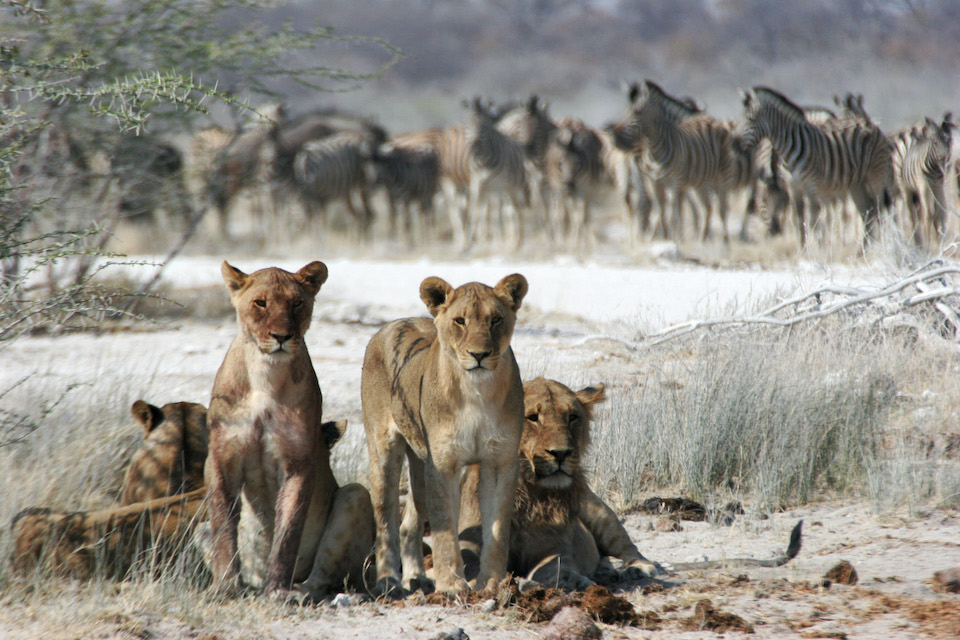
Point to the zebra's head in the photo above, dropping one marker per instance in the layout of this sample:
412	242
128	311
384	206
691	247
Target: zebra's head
761	106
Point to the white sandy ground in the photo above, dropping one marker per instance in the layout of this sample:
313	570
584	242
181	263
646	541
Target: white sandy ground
569	308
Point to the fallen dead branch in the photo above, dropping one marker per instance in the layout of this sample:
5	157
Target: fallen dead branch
933	285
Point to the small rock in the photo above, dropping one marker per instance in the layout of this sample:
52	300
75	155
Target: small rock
456	633
342	600
488	605
842	573
947	581
571	623
699	558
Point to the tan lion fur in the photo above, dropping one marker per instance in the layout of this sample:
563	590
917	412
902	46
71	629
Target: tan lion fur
562	532
170	460
445	393
83	543
268	442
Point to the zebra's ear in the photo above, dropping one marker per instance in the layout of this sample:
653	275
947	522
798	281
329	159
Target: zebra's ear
633	92
534	105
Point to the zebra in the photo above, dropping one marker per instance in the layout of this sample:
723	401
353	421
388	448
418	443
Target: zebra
334	168
242	163
529	125
921	162
575	170
681	148
824	161
408	167
497	170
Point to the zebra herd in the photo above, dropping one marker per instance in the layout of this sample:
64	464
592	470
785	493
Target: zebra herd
511	171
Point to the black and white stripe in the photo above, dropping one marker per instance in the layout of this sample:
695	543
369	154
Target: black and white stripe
334	168
825	162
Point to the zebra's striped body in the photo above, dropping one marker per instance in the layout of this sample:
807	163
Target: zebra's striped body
498	176
529	125
680	150
409	168
921	163
575	174
334	168
825	162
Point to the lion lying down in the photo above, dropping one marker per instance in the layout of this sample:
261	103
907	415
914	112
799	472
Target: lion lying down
563	534
156	518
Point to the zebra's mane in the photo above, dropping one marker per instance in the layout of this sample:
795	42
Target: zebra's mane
675	109
770	96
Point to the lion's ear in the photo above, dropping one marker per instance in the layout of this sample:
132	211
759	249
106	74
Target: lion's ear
435	292
589	396
233	277
512	289
333	431
147	415
313	276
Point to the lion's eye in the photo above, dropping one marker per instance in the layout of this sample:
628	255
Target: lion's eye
533	417
260	303
495	322
460	321
297	304
573	418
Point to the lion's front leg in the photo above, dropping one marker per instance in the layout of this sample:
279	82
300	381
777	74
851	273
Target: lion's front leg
223	497
411	529
498	483
612	538
443	503
385	467
291	514
345	544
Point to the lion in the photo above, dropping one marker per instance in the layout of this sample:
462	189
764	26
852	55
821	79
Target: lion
446	393
563	534
106	542
171	458
267	441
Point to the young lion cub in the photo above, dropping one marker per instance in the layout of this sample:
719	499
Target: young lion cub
267	440
446	393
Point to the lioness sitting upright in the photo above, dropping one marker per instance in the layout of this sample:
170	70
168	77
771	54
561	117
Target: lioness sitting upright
446	393
562	531
267	440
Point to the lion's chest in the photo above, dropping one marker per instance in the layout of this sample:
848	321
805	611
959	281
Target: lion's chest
479	431
260	439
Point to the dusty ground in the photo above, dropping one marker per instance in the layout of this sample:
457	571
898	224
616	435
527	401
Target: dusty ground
894	556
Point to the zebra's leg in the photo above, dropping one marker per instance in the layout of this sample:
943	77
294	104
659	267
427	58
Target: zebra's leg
453	203
869	207
368	215
750	211
663	208
938	207
706	197
357	231
476	201
799	214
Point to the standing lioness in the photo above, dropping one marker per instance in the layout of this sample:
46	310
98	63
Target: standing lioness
267	440
447	393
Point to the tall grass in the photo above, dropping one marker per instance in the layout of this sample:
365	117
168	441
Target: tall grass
783	417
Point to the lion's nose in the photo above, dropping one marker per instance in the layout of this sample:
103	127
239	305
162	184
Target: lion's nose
281	337
479	356
560	454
